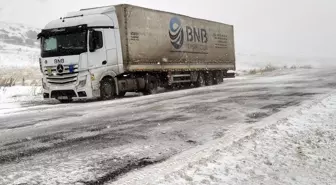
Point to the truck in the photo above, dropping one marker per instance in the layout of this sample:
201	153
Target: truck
105	52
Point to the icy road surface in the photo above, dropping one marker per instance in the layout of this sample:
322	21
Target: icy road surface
99	142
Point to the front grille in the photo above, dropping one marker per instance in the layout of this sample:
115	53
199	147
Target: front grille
64	78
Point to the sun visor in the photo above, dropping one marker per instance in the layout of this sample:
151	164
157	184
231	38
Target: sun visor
59	31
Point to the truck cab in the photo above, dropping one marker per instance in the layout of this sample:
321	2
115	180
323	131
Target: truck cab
80	52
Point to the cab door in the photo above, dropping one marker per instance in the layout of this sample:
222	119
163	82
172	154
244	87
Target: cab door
111	49
97	57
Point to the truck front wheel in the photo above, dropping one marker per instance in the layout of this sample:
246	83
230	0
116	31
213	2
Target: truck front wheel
107	89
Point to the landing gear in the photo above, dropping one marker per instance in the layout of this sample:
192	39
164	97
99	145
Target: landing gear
151	85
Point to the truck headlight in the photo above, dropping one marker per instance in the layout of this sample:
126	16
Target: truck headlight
44	85
82	83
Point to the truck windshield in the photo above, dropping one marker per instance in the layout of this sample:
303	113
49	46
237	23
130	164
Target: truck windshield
64	44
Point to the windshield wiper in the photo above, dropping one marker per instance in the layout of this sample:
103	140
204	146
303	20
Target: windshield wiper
72	47
60	48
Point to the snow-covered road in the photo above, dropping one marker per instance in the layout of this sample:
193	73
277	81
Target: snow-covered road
295	146
98	142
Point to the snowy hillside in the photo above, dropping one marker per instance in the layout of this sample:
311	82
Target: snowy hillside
18	45
246	61
18	34
19	53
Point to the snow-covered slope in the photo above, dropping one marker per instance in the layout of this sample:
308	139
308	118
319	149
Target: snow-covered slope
19	53
18	34
18	45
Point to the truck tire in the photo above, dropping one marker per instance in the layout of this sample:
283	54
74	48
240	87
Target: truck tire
200	80
107	89
209	79
151	86
218	77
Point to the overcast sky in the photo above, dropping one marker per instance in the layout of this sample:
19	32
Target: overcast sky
276	27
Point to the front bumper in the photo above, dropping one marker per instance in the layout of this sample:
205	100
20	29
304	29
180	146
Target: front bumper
74	90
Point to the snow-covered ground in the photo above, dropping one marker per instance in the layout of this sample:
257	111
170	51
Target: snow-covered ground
296	146
207	135
12	98
19	93
18	66
18	56
246	61
19	63
101	142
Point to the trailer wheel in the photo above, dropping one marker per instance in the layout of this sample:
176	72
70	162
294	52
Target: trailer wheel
200	80
209	79
107	89
218	77
151	86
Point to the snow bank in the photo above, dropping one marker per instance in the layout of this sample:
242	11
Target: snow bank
12	98
19	64
19	93
296	146
260	60
18	56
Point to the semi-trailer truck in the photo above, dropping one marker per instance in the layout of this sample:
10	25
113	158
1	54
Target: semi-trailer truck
107	51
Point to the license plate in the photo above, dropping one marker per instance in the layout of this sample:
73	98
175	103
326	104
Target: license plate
62	97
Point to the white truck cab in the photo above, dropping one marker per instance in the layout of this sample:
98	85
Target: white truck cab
77	51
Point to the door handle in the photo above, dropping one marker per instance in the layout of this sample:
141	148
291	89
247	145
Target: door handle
104	62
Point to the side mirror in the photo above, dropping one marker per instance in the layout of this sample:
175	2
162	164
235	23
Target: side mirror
92	41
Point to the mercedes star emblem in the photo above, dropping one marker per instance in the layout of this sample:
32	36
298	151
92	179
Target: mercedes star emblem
60	68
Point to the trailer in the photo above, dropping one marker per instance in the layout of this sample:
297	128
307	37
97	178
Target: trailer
107	51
